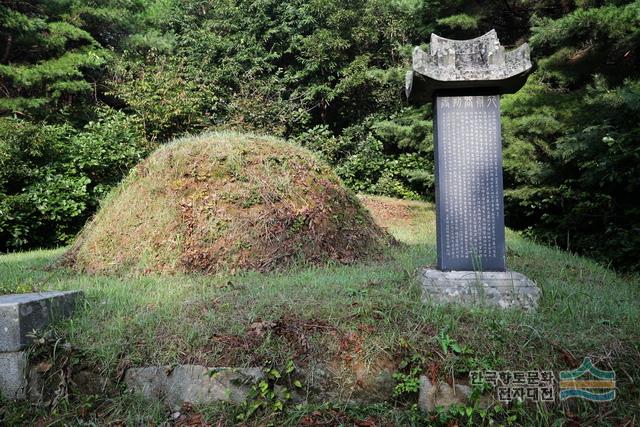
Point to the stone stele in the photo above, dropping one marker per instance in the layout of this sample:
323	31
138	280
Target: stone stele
464	80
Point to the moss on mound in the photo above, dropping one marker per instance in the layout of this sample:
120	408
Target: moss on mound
226	202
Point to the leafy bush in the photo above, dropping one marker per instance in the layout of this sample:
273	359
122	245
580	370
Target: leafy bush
387	155
52	176
165	95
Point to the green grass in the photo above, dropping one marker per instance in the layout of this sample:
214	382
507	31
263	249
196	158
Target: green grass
585	310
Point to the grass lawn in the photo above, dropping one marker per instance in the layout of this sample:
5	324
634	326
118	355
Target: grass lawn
356	320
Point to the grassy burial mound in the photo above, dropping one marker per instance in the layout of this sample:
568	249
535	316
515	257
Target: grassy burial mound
227	202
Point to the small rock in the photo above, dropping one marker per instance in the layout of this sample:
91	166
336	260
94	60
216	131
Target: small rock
373	382
442	394
35	385
87	382
192	383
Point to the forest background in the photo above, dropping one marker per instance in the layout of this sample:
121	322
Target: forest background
89	87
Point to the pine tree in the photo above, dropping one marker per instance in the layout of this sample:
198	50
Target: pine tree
572	134
47	62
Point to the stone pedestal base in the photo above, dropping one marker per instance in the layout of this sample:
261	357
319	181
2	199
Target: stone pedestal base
492	288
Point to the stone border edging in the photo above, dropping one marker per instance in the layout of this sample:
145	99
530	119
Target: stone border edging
20	315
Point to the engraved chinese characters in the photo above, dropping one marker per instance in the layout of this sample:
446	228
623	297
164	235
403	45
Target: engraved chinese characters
469	183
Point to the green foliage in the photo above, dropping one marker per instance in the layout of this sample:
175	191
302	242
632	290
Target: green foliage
61	149
588	41
386	155
408	377
474	415
461	21
271	394
407	383
571	155
328	75
48	61
163	96
447	343
52	176
277	67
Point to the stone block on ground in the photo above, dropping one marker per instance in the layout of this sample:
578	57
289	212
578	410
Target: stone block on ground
13	382
503	289
192	383
441	394
20	314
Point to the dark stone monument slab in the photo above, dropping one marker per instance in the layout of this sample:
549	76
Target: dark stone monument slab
464	79
470	216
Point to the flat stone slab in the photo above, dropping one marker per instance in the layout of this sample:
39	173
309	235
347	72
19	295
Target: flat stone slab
505	290
192	383
21	314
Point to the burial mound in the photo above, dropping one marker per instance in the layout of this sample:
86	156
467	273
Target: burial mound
226	202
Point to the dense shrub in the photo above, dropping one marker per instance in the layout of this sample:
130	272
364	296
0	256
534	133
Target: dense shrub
572	135
52	176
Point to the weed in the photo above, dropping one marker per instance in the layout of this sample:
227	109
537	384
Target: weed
447	343
270	394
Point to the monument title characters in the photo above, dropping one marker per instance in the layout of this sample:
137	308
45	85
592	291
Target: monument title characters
464	79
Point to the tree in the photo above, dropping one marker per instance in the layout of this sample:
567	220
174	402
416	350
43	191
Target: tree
48	64
61	149
572	134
